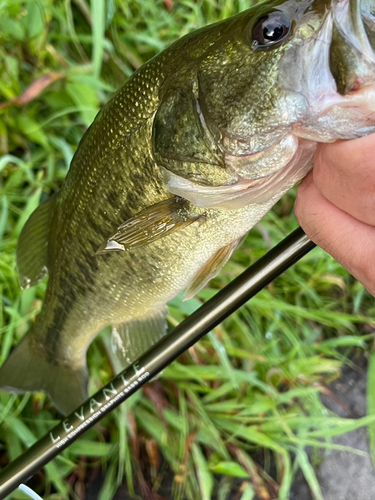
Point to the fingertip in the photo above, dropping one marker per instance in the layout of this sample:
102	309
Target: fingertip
304	192
314	212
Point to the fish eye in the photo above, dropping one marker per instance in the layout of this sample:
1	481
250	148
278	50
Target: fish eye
271	30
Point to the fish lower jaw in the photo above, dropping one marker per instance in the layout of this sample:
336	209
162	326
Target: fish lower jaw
339	117
261	164
362	97
246	191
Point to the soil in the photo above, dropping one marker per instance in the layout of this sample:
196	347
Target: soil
343	475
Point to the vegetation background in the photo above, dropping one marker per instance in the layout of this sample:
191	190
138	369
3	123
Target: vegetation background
235	413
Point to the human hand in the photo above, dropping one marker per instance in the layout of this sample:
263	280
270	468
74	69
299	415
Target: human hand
336	205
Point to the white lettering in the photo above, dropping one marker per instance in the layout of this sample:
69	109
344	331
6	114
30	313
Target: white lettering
93	403
111	391
137	369
66	425
54	439
80	415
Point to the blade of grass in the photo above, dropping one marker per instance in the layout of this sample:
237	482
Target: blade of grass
309	474
98	28
205	477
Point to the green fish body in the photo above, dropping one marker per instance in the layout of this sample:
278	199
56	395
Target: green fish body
181	163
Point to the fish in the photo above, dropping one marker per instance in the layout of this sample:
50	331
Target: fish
181	163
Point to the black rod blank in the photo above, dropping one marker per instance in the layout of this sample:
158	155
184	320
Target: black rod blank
189	331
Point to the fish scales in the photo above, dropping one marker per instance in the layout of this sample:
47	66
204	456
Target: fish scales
180	164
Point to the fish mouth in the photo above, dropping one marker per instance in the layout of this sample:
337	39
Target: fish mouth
335	73
264	174
268	164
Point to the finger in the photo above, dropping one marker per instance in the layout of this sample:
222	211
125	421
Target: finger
349	241
344	172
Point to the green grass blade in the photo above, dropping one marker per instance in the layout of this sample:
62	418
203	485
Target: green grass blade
98	28
205	477
309	474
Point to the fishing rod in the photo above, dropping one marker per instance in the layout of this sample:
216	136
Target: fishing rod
160	355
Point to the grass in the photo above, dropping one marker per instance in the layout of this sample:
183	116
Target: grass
240	408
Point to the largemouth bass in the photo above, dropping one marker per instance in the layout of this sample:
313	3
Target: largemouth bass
180	164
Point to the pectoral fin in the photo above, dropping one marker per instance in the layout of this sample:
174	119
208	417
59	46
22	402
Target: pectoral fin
210	269
131	339
32	245
151	224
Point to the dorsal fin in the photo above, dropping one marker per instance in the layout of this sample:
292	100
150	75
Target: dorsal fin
210	269
33	245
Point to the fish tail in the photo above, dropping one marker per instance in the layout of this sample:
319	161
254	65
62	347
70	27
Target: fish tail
27	369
